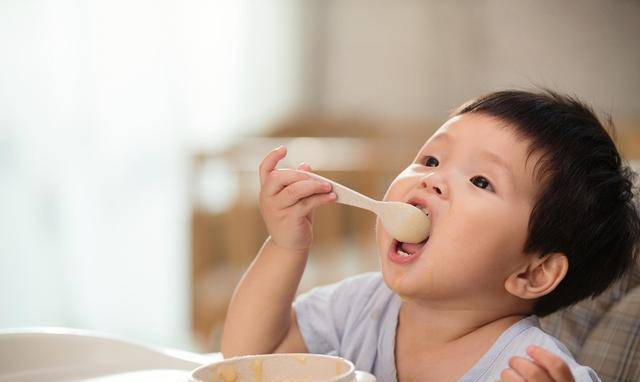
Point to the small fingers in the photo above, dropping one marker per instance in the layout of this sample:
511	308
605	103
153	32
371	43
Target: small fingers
269	163
297	191
529	370
554	365
510	375
277	180
305	206
304	167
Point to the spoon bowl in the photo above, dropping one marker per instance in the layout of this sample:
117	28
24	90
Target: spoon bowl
404	222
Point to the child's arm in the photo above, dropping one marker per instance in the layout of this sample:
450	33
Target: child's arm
260	318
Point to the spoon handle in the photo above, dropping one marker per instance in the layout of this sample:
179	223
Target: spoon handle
345	195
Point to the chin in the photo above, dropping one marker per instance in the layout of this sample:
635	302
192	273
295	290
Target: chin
392	276
407	281
390	281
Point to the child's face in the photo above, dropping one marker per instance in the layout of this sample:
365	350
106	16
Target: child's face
479	214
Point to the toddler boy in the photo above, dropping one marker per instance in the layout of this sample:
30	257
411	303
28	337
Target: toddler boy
531	211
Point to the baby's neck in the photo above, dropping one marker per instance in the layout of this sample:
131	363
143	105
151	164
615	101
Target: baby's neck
431	327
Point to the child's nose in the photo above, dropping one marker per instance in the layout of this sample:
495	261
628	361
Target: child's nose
433	183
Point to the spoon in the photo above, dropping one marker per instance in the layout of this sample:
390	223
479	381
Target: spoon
403	221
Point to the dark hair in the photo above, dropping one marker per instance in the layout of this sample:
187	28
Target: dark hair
585	207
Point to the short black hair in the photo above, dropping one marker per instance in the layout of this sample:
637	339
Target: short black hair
585	207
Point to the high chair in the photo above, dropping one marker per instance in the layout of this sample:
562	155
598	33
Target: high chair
61	354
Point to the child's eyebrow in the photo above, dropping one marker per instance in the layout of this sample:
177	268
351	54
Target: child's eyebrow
495	158
441	136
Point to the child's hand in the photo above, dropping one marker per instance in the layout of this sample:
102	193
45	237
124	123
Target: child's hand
546	367
287	201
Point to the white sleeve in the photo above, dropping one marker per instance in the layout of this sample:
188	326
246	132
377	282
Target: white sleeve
324	312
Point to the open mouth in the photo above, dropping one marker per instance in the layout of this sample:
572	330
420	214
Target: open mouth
403	253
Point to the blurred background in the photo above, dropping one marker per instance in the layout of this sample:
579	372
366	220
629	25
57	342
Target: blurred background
131	133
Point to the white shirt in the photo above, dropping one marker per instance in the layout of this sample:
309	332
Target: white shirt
356	319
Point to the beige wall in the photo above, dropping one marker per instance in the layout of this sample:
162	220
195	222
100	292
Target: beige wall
415	60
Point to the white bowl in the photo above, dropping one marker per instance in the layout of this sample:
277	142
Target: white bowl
292	367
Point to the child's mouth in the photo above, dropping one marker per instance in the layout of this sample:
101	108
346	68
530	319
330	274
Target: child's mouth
403	253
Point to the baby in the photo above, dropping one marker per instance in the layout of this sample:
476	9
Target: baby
531	211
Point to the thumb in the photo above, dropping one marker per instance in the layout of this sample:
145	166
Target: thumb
304	167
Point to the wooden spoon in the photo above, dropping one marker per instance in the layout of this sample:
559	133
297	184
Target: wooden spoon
403	221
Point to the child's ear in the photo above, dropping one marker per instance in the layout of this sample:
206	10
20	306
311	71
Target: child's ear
538	277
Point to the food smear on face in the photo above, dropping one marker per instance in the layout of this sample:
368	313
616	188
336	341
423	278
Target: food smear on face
396	285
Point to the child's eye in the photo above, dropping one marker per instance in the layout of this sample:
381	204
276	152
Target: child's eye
481	182
431	160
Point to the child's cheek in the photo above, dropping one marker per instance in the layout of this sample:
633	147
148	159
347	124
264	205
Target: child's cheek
401	184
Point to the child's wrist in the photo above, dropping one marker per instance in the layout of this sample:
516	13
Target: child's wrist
284	249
